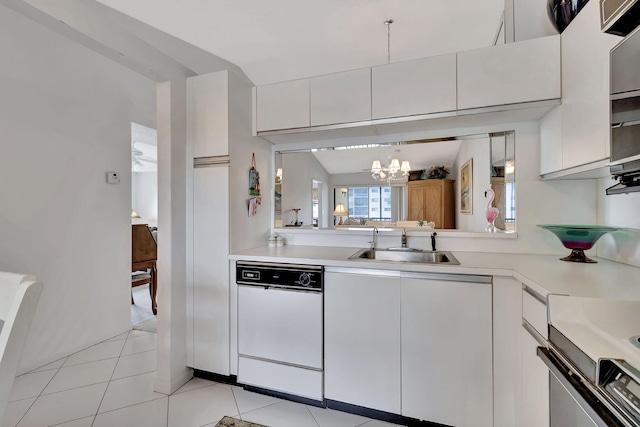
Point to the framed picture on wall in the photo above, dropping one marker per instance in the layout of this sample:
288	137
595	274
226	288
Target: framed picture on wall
466	187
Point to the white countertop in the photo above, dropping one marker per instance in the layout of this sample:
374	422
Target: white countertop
596	306
600	328
545	274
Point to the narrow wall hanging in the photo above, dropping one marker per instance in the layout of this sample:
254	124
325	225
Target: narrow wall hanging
254	188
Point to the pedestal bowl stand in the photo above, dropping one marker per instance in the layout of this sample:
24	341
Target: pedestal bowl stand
578	238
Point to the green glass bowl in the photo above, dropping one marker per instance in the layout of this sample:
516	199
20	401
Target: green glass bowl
578	238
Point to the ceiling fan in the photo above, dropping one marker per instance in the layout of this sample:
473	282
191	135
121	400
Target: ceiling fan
144	157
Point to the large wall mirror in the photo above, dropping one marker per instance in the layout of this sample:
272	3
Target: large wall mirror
400	184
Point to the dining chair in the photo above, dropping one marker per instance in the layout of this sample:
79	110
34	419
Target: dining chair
19	295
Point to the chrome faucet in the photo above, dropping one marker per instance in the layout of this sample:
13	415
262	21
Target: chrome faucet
404	238
433	241
374	242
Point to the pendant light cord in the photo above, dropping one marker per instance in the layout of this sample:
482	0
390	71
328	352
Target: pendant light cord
388	23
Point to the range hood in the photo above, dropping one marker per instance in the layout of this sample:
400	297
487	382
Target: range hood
628	176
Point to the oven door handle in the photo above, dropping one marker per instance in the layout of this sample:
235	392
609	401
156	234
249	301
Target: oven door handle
594	408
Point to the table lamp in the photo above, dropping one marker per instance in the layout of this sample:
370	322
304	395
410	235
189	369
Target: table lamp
340	211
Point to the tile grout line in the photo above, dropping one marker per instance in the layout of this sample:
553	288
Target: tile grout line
66	358
110	378
129	406
40	394
193	389
235	399
168	403
84	363
262	407
311	413
76	419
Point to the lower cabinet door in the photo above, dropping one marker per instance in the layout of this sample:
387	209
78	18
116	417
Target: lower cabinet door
535	384
362	339
447	374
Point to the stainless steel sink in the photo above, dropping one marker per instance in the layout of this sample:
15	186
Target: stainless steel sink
406	255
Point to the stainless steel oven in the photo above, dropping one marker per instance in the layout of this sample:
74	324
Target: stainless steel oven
586	392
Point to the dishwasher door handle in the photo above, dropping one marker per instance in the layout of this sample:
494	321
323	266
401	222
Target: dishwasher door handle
573	384
281	287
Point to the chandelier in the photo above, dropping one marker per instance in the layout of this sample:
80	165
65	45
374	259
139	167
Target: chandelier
393	171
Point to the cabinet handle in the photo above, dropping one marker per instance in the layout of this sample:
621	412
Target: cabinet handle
362	271
534	333
534	294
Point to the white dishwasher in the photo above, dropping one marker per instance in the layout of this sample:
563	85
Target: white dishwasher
280	328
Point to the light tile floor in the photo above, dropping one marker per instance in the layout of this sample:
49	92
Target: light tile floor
111	384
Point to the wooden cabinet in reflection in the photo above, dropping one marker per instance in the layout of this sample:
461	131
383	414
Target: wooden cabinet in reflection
432	200
144	254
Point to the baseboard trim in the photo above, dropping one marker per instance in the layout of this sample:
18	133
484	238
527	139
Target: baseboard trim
219	378
285	396
326	403
379	415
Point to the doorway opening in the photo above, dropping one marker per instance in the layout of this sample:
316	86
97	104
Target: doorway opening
144	223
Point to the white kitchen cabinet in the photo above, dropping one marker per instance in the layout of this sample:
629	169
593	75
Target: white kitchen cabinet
282	105
585	89
535	374
512	73
447	374
507	366
341	97
576	133
210	287
207	108
535	384
421	86
362	338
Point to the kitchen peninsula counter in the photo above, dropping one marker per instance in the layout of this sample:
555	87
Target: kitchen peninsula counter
545	274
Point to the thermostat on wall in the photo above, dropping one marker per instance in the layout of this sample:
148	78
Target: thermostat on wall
113	178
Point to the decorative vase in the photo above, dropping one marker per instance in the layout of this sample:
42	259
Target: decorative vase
562	12
492	212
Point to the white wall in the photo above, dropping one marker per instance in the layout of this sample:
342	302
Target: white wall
65	115
247	232
144	196
478	150
300	169
619	210
526	19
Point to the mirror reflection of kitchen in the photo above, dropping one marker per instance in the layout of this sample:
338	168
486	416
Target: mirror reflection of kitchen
335	187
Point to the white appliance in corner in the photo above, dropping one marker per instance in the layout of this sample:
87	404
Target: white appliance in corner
280	328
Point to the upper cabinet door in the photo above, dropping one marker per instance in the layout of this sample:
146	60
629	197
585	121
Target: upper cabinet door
508	74
421	86
585	89
208	114
282	105
341	98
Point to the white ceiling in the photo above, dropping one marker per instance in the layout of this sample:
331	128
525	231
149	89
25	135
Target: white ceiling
279	40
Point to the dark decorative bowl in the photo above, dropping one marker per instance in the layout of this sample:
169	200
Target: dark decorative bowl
578	238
